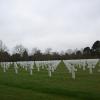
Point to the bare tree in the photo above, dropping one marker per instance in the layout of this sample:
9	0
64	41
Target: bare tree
48	50
62	53
69	51
19	49
3	47
34	50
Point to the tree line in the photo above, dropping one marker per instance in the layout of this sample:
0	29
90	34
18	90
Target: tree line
22	54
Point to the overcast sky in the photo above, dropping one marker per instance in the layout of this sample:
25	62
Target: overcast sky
57	24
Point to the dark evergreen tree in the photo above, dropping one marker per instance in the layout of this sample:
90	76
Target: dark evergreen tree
96	49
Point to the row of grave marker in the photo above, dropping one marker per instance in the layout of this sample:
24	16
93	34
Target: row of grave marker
90	64
29	66
51	66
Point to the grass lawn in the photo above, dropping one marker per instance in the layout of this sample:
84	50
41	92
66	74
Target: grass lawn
40	86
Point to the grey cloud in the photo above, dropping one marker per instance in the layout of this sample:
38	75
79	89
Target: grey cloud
59	24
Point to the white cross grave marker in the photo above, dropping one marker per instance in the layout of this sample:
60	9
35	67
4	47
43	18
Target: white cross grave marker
73	71
16	68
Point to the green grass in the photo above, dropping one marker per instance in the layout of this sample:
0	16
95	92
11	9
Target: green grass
40	86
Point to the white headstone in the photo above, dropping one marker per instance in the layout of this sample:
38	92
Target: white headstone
49	70
16	68
4	67
73	71
38	68
90	69
31	69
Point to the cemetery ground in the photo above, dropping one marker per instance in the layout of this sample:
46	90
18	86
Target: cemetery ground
39	86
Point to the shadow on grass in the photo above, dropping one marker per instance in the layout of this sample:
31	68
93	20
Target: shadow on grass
79	95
